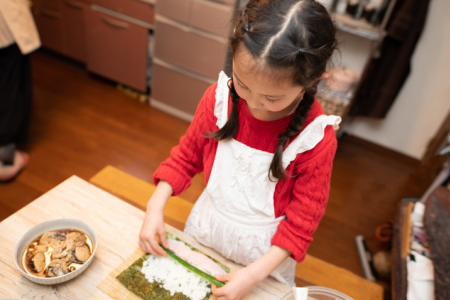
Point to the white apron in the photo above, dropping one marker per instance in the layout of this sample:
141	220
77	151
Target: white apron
235	214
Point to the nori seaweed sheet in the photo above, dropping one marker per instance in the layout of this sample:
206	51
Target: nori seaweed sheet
135	282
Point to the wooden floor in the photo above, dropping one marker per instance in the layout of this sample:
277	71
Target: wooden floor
81	123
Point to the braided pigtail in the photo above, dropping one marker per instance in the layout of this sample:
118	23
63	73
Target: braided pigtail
276	169
231	127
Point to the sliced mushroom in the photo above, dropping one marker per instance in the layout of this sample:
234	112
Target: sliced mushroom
82	253
59	253
40	249
57	267
39	262
52	238
75	239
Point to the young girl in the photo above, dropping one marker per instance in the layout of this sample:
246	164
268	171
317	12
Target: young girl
265	146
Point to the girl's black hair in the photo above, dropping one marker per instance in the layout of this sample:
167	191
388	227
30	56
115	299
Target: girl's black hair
295	38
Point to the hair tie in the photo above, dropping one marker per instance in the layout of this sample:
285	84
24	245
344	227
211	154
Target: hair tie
246	28
232	91
301	50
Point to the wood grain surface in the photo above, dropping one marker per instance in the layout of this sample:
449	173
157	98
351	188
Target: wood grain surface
117	225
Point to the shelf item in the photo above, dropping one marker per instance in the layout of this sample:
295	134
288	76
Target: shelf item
341	79
117	49
332	102
177	88
189	48
357	27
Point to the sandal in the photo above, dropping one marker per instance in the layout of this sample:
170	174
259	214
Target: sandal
9	173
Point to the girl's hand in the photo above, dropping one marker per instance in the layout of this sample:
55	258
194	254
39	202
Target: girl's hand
238	285
152	231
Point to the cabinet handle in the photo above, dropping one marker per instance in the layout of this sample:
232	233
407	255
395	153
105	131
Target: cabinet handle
48	13
74	3
114	22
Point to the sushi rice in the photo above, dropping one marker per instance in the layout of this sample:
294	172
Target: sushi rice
175	278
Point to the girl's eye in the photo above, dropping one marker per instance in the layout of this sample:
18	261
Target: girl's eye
242	86
272	100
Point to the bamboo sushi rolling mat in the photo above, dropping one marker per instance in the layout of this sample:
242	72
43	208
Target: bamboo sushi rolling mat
112	287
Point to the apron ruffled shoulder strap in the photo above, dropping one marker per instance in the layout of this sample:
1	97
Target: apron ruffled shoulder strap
309	137
222	96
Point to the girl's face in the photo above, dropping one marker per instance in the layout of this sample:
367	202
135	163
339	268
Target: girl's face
267	99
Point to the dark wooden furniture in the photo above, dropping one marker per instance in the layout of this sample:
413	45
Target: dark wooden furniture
400	249
437	225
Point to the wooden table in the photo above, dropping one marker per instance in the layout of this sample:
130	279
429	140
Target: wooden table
117	225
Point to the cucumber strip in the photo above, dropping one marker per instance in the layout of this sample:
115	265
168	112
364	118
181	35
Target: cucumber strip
193	269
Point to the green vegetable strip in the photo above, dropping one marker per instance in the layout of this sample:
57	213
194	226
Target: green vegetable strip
193	269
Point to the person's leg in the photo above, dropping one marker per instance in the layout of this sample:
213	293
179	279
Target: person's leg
7	154
15	108
8	173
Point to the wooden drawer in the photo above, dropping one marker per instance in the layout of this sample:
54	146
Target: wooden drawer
178	10
133	8
177	88
211	17
116	49
74	31
188	48
49	25
52	5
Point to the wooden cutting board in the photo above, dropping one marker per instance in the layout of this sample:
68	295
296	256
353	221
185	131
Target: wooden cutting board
269	289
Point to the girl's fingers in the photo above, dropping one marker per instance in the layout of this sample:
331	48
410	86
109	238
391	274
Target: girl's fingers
162	239
148	248
223	278
156	247
217	292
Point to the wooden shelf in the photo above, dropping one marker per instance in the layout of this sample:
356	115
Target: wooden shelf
357	27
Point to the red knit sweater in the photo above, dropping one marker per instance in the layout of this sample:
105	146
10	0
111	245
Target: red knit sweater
301	198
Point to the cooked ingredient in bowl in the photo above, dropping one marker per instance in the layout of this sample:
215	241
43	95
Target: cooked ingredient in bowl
56	253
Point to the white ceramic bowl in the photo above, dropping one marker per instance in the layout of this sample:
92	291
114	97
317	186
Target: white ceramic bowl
49	226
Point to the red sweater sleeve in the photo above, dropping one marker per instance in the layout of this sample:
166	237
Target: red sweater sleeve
186	159
309	197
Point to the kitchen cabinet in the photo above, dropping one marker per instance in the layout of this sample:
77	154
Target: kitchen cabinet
116	49
190	50
137	9
61	26
177	88
48	20
74	30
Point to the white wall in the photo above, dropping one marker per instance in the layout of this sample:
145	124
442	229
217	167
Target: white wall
424	100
